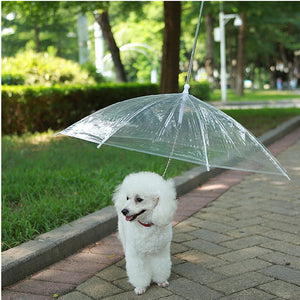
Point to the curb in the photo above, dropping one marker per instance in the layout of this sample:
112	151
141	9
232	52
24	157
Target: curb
48	248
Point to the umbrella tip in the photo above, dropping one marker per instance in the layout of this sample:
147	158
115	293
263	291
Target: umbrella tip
186	88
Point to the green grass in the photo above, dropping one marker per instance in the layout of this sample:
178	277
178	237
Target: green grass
49	181
261	120
255	95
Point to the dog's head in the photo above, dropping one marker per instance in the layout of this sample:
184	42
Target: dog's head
147	197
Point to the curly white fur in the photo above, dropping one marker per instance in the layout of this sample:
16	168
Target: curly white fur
145	198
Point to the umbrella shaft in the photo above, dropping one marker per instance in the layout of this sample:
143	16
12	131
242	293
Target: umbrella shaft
194	46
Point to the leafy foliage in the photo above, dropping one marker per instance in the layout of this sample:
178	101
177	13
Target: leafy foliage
38	25
272	32
43	69
12	79
38	108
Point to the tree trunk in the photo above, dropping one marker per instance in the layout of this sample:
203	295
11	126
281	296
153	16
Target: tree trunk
209	60
283	55
37	38
171	47
103	21
241	57
231	61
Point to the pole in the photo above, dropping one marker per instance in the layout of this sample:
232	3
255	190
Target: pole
82	38
223	56
99	48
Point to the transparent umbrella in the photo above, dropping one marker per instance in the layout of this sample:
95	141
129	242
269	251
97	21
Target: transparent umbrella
178	126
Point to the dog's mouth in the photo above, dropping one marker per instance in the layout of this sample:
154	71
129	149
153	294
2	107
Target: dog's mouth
133	217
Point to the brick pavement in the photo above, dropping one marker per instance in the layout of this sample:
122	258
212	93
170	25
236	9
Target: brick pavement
235	237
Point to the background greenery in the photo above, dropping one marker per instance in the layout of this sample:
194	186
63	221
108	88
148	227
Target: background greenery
42	69
272	44
255	95
39	108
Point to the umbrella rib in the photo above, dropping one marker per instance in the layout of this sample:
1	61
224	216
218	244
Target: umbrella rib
170	115
249	134
254	140
266	152
204	138
209	108
228	136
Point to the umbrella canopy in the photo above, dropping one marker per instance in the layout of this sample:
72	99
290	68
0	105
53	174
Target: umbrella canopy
179	126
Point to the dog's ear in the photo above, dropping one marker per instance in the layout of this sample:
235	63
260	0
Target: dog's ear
119	197
116	193
164	211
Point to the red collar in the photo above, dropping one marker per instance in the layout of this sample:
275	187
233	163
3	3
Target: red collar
146	225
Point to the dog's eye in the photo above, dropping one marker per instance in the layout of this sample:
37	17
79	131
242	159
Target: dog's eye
139	199
127	198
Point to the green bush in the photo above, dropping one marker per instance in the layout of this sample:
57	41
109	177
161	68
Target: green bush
36	108
12	79
199	90
42	69
92	70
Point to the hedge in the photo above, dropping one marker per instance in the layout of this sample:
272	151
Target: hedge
36	108
12	79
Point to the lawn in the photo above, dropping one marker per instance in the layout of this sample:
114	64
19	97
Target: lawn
255	95
48	181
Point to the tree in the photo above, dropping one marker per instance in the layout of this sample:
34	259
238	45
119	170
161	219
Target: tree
100	11
103	20
209	59
211	10
272	40
140	23
38	25
32	12
171	47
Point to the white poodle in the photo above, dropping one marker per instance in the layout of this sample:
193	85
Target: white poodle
146	203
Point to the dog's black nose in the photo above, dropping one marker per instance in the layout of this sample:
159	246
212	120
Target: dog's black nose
125	211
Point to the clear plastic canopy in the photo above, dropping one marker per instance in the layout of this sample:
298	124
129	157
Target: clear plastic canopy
177	125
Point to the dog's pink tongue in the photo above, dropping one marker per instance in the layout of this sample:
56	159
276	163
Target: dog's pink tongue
129	218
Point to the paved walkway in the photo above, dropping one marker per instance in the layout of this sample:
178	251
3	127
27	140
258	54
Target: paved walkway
235	237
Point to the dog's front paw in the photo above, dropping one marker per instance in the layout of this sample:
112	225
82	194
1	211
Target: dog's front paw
163	284
140	290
